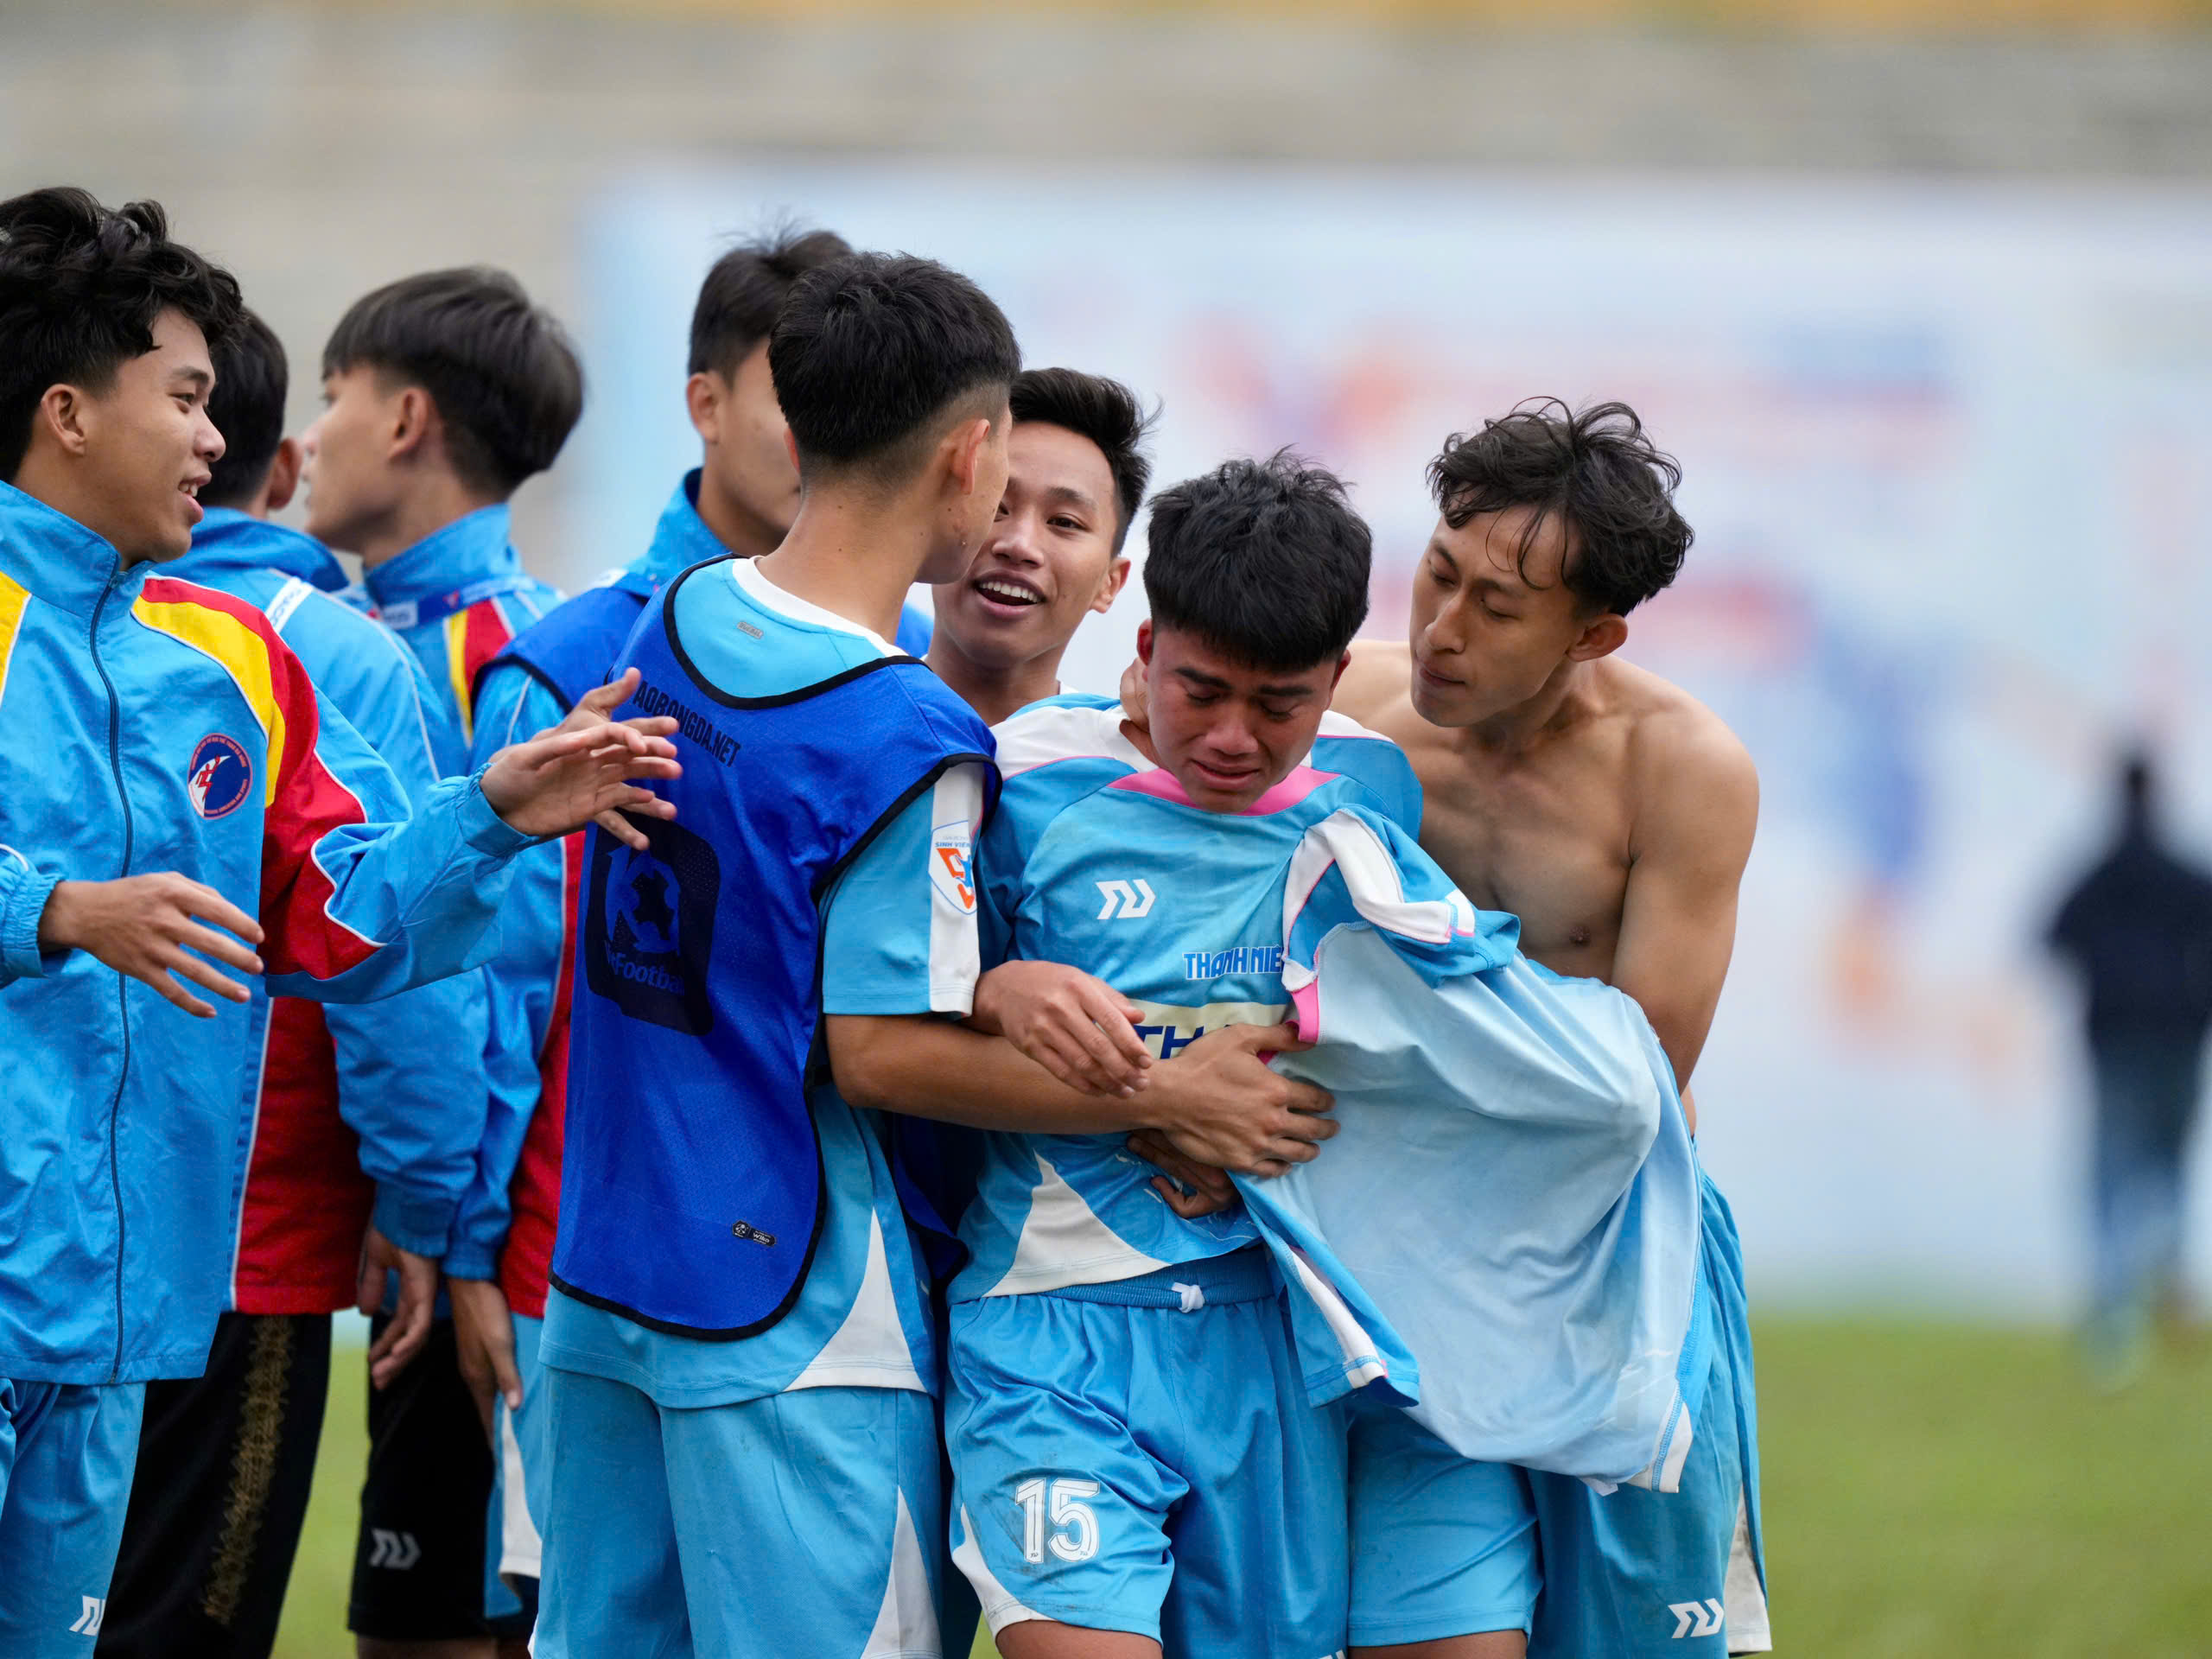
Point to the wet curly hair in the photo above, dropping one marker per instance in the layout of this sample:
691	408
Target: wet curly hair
1594	470
80	286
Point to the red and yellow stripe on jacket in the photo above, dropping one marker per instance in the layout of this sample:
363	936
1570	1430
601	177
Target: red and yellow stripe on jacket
303	799
474	638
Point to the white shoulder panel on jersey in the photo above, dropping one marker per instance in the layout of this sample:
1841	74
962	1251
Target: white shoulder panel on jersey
1038	735
1336	725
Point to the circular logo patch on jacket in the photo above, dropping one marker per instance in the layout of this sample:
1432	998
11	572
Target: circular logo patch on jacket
220	776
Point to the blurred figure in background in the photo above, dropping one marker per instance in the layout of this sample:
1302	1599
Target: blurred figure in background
2138	927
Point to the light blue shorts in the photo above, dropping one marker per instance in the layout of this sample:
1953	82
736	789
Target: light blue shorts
802	1523
516	1522
67	1453
1681	1575
1441	1545
1122	1463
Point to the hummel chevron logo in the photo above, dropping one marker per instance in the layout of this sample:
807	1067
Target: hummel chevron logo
1697	1618
88	1621
397	1550
1134	901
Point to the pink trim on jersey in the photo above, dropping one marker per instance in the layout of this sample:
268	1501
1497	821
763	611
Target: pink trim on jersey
1159	783
1307	999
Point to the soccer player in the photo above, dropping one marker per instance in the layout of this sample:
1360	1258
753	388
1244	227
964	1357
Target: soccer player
1613	814
443	393
1075	479
739	500
163	758
362	1133
744	1453
1136	1466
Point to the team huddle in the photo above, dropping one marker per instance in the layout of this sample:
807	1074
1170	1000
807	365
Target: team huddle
839	1132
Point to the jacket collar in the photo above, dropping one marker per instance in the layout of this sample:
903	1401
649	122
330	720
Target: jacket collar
472	548
680	539
229	542
58	560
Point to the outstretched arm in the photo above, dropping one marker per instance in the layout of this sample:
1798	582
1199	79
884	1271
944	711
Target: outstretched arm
1697	808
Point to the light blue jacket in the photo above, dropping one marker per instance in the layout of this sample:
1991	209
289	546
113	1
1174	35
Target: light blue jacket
456	597
148	725
405	1085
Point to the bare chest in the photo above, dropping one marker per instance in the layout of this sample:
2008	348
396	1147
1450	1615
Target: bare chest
1548	842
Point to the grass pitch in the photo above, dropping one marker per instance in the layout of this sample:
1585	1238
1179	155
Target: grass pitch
1956	1494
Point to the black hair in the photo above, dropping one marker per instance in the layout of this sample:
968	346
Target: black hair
1263	560
1610	487
1106	412
869	351
744	289
247	407
80	286
501	370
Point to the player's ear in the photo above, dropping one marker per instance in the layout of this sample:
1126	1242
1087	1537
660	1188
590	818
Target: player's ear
62	412
1602	637
284	476
411	415
1109	588
790	449
1336	678
1144	642
967	442
703	399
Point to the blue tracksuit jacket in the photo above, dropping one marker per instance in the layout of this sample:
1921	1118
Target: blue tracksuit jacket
395	1072
146	725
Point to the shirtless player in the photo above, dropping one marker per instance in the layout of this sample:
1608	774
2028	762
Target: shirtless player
1613	814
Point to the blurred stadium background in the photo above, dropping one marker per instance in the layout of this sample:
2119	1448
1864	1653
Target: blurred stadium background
1920	294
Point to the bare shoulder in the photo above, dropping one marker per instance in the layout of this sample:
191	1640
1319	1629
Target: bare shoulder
1689	769
1374	680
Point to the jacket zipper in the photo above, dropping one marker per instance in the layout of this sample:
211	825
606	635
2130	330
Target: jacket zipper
122	984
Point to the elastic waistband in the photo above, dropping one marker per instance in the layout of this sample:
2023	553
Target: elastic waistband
1243	1275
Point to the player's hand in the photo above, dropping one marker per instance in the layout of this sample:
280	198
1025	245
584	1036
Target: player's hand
1217	1103
1072	1025
147	926
484	1334
585	769
392	1353
1192	1189
1136	695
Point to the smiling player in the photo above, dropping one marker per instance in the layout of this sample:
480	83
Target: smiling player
120	1106
1075	478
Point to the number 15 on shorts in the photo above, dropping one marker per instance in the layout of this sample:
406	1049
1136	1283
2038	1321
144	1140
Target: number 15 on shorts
1071	1533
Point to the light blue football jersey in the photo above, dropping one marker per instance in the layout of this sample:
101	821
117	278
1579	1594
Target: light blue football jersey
1096	858
1506	1231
